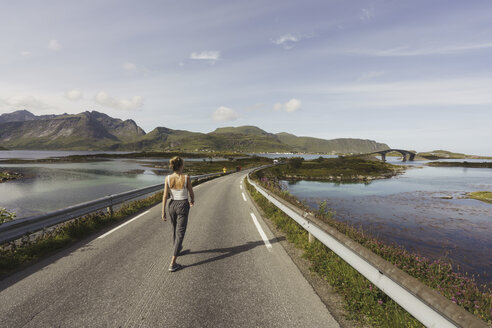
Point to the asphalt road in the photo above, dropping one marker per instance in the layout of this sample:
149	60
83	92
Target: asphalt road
231	276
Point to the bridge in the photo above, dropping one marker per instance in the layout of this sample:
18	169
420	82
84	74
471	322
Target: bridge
404	153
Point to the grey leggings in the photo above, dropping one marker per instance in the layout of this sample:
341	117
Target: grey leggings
178	211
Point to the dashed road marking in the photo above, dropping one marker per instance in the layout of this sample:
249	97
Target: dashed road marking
241	186
244	196
124	224
262	233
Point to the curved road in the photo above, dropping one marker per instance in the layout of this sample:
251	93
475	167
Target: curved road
232	276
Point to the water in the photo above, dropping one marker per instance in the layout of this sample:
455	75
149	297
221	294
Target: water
47	187
409	210
38	154
290	155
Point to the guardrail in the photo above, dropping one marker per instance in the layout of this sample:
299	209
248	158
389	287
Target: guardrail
425	304
20	227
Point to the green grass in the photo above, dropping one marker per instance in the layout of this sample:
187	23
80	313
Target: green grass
439	274
444	154
332	169
461	164
5	215
6	176
484	196
364	302
18	254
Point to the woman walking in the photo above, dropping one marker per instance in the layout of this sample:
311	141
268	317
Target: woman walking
179	187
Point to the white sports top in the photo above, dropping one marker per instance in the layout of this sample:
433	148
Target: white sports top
179	194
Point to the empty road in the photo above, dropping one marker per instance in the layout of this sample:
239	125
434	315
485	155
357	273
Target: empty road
235	274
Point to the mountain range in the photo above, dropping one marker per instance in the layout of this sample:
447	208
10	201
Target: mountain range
98	131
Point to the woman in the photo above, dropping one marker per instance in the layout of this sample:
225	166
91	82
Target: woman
182	198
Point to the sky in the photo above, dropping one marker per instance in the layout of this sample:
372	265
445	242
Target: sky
413	74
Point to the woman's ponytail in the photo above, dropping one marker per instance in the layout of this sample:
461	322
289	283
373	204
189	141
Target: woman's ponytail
175	163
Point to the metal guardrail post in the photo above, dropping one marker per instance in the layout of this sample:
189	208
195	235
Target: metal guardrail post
426	305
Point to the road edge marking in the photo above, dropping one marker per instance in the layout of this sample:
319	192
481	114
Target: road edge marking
122	225
262	233
244	197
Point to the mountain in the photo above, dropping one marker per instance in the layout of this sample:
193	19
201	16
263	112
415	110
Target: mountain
87	130
341	145
98	131
22	115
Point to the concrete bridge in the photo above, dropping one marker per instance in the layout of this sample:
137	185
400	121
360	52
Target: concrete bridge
404	153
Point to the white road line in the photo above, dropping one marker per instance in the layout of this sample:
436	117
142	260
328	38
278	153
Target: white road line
244	197
124	224
262	233
241	186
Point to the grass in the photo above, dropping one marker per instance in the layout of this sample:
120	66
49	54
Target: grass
462	164
230	165
358	293
5	215
20	253
364	302
332	169
484	196
6	176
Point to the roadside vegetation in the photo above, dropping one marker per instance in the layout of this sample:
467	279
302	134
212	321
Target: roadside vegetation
231	165
364	302
31	248
484	196
346	169
6	216
7	176
462	164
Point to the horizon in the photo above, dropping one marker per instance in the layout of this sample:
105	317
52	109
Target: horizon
254	126
395	73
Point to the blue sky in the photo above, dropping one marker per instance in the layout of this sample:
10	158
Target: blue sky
414	74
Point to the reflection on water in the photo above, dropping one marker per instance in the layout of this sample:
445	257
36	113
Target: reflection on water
47	187
410	211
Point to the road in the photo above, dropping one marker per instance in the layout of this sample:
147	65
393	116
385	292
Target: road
232	276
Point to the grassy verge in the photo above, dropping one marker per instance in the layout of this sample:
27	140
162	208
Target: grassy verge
365	302
484	196
462	164
333	169
6	176
203	167
29	249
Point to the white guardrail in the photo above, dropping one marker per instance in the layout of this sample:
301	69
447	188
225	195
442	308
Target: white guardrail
18	228
425	304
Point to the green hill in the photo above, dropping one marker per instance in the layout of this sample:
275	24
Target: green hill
98	131
335	146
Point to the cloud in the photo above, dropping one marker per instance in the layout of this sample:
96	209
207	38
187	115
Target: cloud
74	94
367	14
223	114
438	92
369	75
406	51
25	53
54	45
26	102
291	106
102	98
286	41
210	55
130	67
